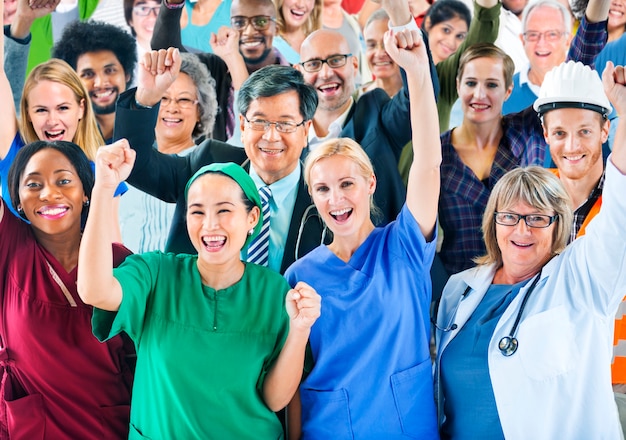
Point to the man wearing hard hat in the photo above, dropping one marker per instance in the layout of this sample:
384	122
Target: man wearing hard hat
574	111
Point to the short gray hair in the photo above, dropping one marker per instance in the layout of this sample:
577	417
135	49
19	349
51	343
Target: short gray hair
274	80
537	187
207	97
554	4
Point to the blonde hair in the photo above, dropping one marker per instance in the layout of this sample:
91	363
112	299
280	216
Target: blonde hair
313	23
537	187
87	135
348	148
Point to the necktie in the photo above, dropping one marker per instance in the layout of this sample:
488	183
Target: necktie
258	252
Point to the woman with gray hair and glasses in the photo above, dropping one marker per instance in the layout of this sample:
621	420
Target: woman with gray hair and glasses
186	116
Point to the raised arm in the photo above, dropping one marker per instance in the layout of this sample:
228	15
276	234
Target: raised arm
407	49
167	27
96	284
614	80
225	44
303	306
8	127
592	34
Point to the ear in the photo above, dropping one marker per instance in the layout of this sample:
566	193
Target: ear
606	126
427	24
545	129
81	106
253	217
508	92
372	185
242	124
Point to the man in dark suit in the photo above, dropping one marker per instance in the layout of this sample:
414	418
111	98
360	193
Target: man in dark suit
379	124
276	108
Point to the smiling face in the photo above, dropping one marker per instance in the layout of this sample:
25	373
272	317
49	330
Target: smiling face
334	86
51	195
254	45
378	59
341	194
445	37
296	12
524	250
54	111
218	220
176	121
273	154
544	55
143	25
482	90
103	77
575	137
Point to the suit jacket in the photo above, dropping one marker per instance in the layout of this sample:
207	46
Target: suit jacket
165	177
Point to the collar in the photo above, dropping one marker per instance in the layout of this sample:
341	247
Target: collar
334	129
281	188
523	79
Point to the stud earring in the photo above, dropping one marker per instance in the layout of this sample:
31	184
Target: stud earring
251	231
86	203
20	210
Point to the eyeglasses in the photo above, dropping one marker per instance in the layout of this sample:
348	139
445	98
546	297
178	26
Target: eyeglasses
180	102
534	36
144	11
334	62
282	127
259	22
532	220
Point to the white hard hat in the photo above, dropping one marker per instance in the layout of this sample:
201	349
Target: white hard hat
572	85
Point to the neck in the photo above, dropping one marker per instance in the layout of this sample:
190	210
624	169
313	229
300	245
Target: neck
221	276
345	246
63	247
106	124
323	118
391	85
294	36
510	277
269	178
268	60
615	33
480	135
173	146
332	16
535	76
579	189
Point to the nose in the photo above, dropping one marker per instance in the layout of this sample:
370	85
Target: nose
334	197
479	91
522	227
49	192
570	143
98	80
326	71
249	29
271	134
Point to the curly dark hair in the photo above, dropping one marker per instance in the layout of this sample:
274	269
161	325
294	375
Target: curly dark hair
93	36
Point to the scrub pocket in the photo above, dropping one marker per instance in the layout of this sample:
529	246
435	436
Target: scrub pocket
26	417
325	414
413	394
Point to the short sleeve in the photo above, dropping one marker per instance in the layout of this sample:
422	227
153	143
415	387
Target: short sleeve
136	276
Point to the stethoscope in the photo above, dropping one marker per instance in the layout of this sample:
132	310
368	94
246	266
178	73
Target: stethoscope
508	344
305	218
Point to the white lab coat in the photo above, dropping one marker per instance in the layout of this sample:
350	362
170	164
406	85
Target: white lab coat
558	383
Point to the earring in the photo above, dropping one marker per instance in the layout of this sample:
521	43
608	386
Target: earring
20	210
250	232
86	203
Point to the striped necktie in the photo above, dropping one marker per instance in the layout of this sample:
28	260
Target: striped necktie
258	252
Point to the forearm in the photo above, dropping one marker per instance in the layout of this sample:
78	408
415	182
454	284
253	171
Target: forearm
284	377
17	66
398	11
96	284
167	29
294	417
597	10
588	42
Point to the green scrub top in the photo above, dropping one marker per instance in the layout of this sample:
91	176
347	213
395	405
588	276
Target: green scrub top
202	354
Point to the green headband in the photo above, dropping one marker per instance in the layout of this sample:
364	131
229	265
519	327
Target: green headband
242	178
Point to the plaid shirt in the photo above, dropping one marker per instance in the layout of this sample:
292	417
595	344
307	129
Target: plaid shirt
580	214
464	197
588	42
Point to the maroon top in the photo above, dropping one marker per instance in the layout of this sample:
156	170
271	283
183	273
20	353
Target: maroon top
58	381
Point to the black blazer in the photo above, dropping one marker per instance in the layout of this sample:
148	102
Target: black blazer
165	177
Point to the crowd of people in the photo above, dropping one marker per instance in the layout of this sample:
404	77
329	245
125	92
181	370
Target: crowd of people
310	219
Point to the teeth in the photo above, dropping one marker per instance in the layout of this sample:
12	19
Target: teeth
382	63
213	240
268	151
341	211
297	13
173	121
574	157
104	94
328	86
53	211
522	244
479	106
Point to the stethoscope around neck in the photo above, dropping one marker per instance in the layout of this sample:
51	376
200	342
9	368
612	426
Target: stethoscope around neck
507	344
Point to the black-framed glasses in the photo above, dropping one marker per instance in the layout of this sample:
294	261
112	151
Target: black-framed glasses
180	102
259	22
534	36
333	61
532	220
281	126
145	10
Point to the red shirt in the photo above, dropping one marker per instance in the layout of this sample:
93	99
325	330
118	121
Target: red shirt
58	380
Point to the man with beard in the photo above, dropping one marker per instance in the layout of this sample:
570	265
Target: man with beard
104	56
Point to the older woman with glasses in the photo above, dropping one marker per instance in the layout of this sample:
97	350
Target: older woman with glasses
524	339
186	115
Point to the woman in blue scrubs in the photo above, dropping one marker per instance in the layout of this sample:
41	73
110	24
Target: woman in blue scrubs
370	370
